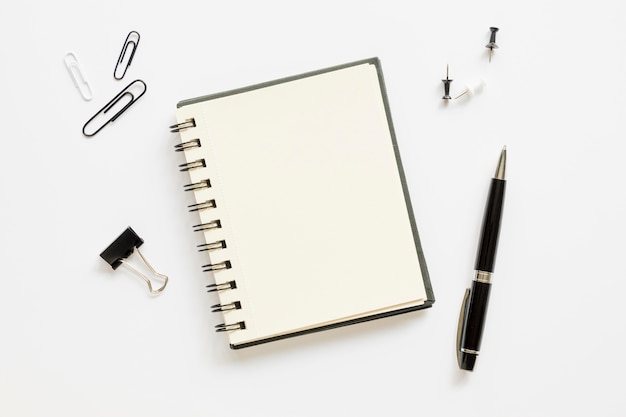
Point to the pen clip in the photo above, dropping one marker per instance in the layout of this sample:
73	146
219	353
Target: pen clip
461	325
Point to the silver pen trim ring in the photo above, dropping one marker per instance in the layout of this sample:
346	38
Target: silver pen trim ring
483	276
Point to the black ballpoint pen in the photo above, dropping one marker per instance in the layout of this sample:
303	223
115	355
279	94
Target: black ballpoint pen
474	308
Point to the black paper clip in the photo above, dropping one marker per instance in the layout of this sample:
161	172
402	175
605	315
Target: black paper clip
132	41
124	246
132	92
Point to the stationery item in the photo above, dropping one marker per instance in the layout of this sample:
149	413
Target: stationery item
126	98
474	308
79	80
492	41
116	254
472	88
446	86
303	204
132	42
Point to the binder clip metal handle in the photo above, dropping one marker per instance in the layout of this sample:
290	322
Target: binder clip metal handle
116	254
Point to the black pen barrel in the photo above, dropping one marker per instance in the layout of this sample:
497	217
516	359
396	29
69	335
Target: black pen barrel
488	243
476	315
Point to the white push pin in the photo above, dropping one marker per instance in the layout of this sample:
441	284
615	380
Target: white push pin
471	89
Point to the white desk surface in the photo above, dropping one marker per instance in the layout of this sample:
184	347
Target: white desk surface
79	339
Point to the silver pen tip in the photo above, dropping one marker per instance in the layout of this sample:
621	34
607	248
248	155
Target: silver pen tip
501	168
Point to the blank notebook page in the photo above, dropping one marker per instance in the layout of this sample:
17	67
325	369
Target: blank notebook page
311	203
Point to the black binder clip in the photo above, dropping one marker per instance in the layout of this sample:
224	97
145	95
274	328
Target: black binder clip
124	246
132	41
128	95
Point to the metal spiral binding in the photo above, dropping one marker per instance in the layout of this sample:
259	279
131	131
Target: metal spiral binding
193	143
189	123
199	163
197	185
220	244
213	224
235	305
202	206
217	267
228	327
230	285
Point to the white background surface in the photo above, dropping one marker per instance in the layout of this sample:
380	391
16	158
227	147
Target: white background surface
78	339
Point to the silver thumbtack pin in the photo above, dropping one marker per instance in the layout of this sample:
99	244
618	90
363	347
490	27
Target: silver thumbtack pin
446	86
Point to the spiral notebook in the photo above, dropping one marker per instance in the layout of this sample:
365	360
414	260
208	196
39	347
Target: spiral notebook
303	204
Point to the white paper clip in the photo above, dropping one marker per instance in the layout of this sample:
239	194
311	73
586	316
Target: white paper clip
79	80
